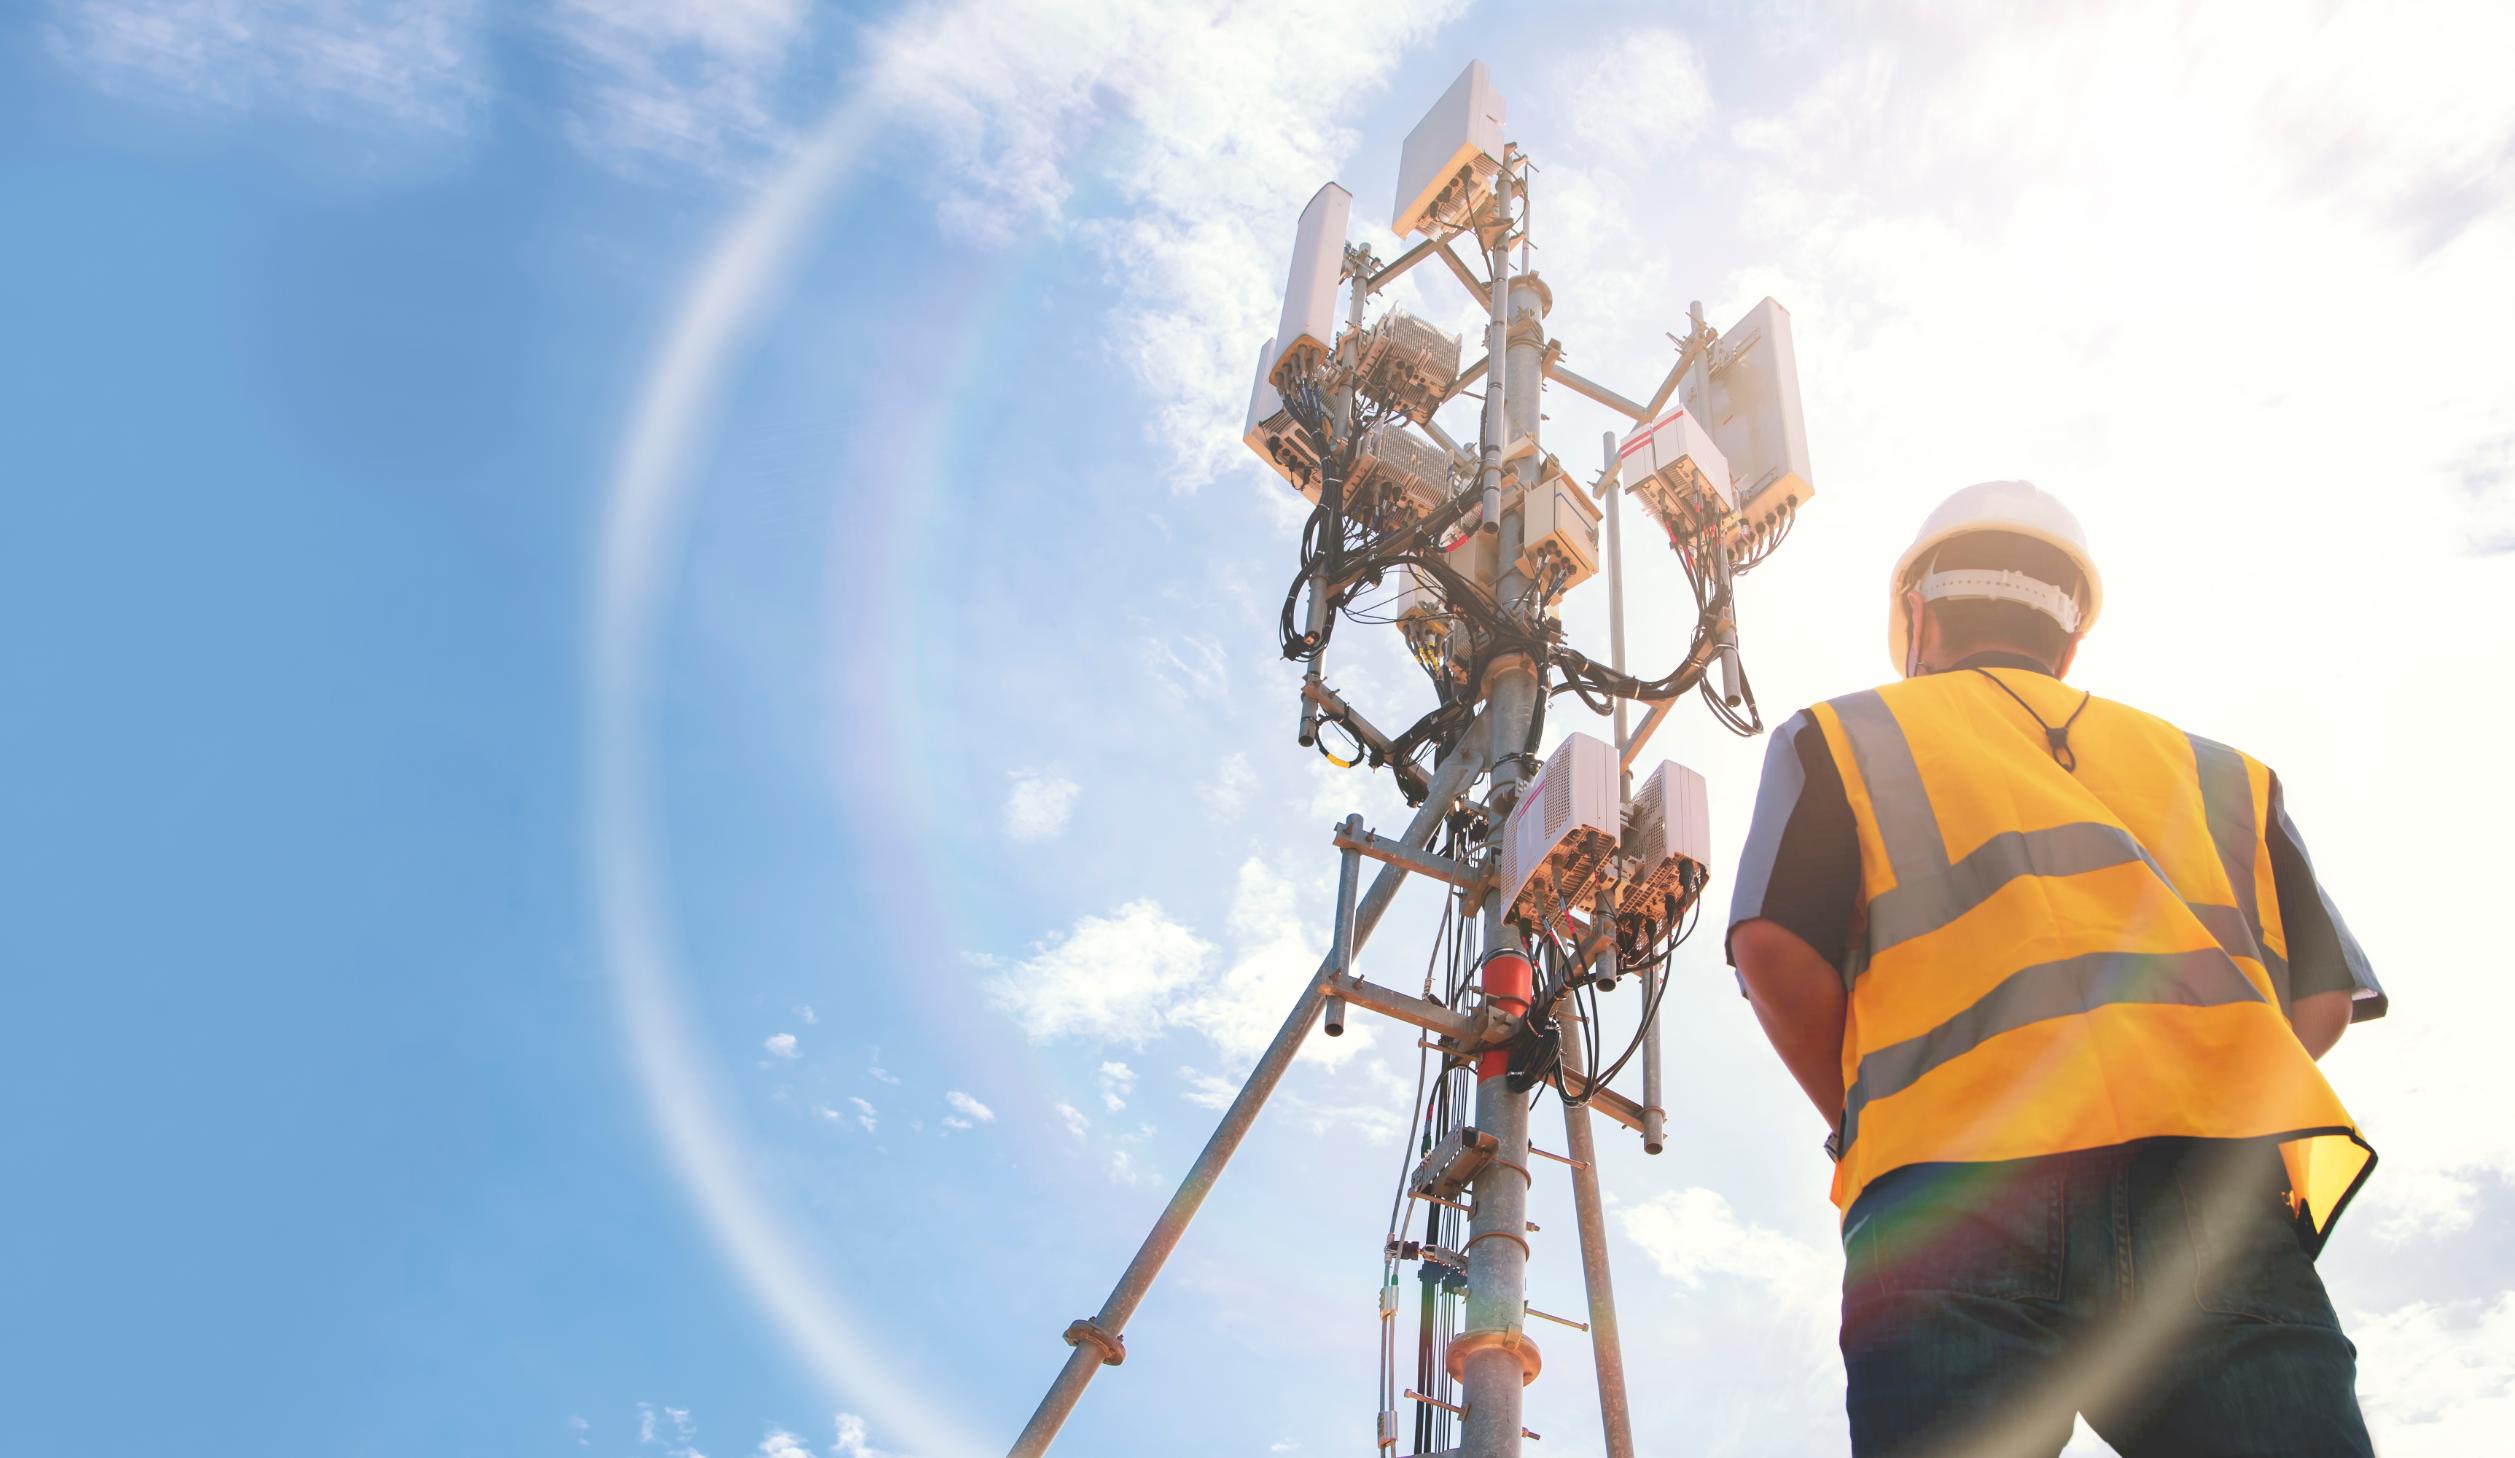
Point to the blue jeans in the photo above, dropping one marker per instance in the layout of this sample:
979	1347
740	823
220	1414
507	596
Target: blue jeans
2157	1287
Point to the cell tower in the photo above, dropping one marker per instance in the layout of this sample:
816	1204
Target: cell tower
1562	880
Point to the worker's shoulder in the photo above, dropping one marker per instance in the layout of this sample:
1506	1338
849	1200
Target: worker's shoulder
1903	698
2158	725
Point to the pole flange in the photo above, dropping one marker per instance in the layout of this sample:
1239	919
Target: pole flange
1112	1348
1509	1339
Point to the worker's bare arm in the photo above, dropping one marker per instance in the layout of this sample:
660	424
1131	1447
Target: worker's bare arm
1798	997
2320	1018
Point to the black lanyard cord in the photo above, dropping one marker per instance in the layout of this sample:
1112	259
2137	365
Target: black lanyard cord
2059	739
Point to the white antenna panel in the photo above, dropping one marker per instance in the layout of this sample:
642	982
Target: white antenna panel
1308	328
1751	407
1669	824
1456	149
1562	832
1270	431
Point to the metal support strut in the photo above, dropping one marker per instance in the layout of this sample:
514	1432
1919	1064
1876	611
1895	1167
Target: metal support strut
1606	1341
1089	1355
1340	953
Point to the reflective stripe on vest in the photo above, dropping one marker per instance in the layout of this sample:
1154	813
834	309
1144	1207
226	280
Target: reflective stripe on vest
1930	892
2054	989
2151	1000
2227	796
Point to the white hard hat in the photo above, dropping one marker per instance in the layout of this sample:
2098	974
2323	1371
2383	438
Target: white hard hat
2015	508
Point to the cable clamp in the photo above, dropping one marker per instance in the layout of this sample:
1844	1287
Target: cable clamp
1112	1348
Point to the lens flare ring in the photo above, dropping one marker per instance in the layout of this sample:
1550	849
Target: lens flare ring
642	515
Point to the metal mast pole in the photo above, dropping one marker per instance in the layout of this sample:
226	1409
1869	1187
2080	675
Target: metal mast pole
1493	1356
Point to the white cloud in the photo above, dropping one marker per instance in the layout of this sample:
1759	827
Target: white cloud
1075	1123
781	1045
1123	1170
393	63
782	1444
1692	1234
1382	1115
1111	979
1190	667
1038	805
1763	1303
1274	956
1134	975
954	1121
866	1114
852	1441
1206	1090
1633	100
1231	122
2439	1378
880	1074
970	1108
1227	794
1117	1082
645	1423
644	82
687	86
805	1014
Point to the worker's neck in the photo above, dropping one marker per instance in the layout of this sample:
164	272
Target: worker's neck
1998	657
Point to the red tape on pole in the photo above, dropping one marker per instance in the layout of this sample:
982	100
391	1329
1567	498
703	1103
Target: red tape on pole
1510	983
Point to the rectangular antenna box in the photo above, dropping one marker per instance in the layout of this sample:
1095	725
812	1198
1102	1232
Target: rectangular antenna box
1562	832
1456	149
1672	468
1669	823
1393	461
1406	364
1271	432
1560	522
1751	407
1318	264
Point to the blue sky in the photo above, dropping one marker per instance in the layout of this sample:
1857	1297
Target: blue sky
651	790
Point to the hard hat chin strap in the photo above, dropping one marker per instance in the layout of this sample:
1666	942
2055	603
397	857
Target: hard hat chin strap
2002	586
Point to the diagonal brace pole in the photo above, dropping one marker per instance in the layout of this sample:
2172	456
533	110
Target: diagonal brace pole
1099	1341
1615	1408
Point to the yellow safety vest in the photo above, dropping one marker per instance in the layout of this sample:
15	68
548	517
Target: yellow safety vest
2051	960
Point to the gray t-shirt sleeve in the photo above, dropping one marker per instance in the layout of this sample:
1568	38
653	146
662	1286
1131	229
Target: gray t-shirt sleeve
1801	864
2322	955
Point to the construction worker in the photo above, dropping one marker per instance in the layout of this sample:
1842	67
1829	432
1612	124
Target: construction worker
2056	973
